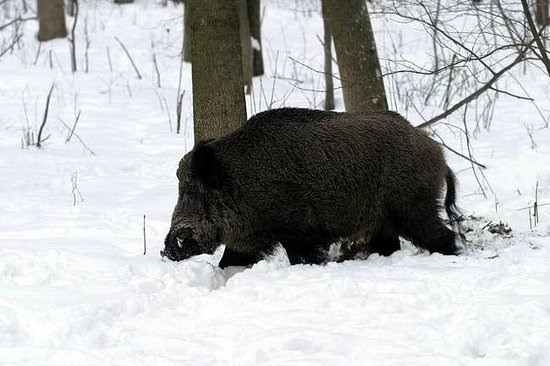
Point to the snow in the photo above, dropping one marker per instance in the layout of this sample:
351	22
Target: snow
255	44
75	287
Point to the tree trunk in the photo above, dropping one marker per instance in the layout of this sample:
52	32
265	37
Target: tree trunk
246	44
217	72
70	7
255	32
362	83
329	82
186	32
51	19
542	12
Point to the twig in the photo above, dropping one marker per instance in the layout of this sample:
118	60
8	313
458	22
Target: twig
88	42
529	207
144	238
10	47
536	204
178	112
109	59
39	142
37	53
129	57
462	155
72	40
274	81
74	181
487	224
179	98
468	146
319	72
16	21
167	112
156	64
71	132
78	137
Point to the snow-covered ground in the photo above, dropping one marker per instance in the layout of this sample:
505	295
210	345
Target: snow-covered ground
76	289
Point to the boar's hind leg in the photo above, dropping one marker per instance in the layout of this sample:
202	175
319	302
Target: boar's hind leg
430	233
233	258
385	241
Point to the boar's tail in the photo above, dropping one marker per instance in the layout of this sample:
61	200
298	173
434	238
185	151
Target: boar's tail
450	199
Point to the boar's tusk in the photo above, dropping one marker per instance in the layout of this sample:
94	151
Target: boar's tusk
180	242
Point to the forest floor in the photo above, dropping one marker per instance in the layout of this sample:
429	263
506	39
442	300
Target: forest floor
75	287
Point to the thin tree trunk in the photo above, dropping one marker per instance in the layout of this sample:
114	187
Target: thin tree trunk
329	82
362	83
70	7
51	19
186	32
246	44
217	73
255	31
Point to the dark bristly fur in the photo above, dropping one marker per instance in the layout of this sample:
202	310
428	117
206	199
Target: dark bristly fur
308	178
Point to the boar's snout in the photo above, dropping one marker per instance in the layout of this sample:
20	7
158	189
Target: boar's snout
180	245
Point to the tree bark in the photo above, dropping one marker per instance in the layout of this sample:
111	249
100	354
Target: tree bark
362	82
329	82
51	19
255	31
542	12
246	44
217	73
70	7
186	32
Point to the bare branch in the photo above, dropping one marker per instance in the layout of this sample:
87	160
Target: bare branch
78	137
129	57
16	21
478	92
536	35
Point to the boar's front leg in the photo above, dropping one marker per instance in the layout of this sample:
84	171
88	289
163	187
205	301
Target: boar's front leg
385	241
305	251
234	258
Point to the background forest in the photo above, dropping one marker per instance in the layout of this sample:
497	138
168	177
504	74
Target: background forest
100	99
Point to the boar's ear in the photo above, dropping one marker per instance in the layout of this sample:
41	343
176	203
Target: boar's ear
206	166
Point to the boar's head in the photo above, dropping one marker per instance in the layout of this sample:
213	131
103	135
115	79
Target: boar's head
194	229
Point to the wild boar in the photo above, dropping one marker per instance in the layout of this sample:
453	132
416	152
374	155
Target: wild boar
307	178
